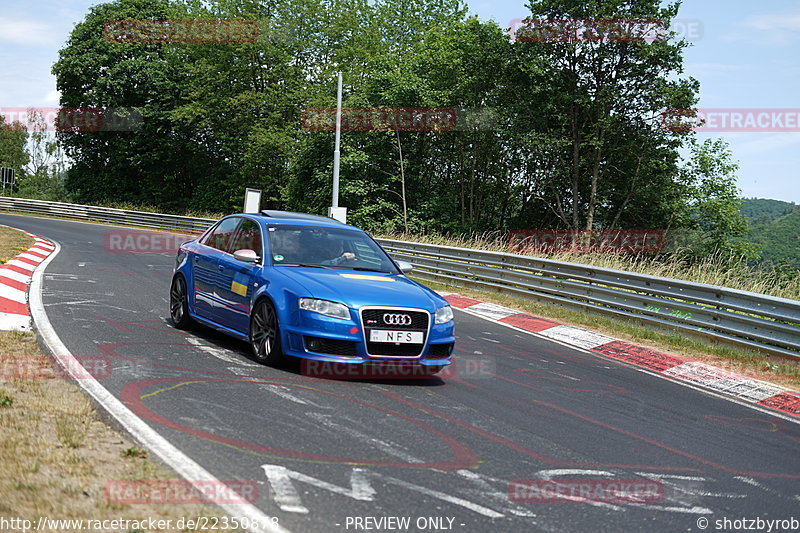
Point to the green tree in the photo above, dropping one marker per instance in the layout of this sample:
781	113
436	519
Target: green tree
418	180
43	175
574	136
13	137
158	161
600	101
712	213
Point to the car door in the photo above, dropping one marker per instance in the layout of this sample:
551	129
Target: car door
237	279
206	268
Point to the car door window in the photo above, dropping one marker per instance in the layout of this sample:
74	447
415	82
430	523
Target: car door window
221	237
247	238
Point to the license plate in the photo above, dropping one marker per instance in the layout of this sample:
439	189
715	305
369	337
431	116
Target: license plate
403	337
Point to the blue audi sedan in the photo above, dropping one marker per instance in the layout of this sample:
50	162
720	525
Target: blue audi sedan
309	287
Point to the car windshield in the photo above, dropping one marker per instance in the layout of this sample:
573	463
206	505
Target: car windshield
323	247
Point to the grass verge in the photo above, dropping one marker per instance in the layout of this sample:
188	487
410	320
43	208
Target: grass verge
13	242
56	454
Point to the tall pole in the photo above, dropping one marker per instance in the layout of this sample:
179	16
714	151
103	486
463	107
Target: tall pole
335	200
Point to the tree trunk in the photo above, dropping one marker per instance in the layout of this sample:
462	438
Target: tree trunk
576	166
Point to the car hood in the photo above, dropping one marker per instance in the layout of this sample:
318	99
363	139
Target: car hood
357	289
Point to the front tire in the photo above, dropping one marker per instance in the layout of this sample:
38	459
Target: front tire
179	303
265	339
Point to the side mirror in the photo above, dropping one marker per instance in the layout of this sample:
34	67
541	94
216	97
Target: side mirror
405	266
246	256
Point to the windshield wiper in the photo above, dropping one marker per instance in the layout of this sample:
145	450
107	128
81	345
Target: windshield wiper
301	265
365	269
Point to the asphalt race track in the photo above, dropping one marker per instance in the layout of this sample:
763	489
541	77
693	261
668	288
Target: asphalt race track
441	453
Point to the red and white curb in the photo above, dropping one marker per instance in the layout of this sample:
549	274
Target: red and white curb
706	376
15	276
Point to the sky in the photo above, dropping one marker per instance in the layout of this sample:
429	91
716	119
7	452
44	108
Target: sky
744	53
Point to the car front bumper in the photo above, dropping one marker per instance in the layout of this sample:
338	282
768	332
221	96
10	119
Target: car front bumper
317	337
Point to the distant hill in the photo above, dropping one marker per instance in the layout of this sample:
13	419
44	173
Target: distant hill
763	211
775	225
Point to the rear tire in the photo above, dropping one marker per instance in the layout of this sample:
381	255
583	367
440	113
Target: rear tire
265	338
179	303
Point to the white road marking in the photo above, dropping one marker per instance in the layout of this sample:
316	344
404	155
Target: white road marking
21	264
13	294
689	508
219	353
387	447
474	507
288	499
15	322
16	276
68	277
32	257
147	436
719	379
492	310
689	485
283	392
88	303
576	336
487	491
753	482
239	371
573	378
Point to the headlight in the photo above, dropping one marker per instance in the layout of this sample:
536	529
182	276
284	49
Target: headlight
324	307
444	315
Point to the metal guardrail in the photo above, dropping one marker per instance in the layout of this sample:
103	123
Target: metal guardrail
764	323
106	214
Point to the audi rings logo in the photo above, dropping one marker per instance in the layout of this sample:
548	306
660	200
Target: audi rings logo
396	319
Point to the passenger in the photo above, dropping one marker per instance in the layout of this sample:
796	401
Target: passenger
289	249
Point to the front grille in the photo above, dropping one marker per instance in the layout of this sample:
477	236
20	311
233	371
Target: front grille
330	346
394	319
440	351
375	318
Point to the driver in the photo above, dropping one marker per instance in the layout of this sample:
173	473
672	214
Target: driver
333	249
